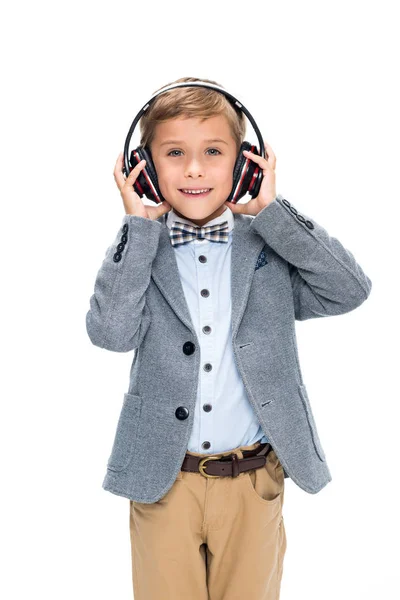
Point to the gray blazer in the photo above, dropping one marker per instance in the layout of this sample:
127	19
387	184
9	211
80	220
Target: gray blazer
138	304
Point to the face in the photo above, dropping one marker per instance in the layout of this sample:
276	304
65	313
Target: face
185	158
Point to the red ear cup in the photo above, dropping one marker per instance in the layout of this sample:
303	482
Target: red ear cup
247	175
146	183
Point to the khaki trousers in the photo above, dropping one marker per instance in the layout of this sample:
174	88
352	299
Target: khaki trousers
212	539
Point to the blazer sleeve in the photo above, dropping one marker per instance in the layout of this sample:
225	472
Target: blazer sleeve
118	317
325	277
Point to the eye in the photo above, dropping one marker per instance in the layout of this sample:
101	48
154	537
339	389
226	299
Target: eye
215	149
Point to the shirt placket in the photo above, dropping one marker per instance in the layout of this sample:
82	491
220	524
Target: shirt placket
207	347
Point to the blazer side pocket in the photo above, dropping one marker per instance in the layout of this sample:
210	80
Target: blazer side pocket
126	433
311	422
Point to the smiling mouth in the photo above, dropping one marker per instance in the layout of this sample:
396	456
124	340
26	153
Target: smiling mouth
196	194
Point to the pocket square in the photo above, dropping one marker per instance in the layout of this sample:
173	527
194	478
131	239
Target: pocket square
261	260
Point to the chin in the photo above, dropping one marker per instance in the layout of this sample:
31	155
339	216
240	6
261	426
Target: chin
198	213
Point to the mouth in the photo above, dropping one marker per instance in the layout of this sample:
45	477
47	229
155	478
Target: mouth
196	193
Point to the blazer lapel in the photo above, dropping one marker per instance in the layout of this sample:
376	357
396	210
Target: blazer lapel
246	247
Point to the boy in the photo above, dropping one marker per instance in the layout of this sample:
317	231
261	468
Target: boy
217	413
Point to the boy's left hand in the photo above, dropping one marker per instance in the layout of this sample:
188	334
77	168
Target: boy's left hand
267	191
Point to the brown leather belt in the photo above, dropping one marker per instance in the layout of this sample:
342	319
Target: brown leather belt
229	464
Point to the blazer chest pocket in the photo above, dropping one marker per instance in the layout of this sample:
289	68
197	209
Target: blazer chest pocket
262	259
126	433
311	422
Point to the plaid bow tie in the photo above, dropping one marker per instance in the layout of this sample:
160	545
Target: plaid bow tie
181	233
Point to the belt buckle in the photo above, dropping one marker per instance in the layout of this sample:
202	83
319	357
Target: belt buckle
202	467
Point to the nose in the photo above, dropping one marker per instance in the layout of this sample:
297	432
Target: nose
194	167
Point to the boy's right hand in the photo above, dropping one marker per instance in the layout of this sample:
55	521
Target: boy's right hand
132	202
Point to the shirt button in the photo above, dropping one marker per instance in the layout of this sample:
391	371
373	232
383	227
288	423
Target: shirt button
207	407
206	445
202	258
207	367
206	329
205	293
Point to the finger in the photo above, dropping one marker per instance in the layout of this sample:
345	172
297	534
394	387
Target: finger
255	157
118	168
121	180
263	162
118	163
164	208
236	208
118	175
136	168
270	152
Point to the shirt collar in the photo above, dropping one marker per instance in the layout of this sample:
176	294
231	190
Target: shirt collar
227	215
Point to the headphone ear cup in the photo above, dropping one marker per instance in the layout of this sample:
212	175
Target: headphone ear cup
146	183
247	175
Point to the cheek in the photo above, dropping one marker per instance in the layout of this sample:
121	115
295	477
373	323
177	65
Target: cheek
169	175
226	176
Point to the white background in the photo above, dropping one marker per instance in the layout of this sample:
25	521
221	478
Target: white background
321	80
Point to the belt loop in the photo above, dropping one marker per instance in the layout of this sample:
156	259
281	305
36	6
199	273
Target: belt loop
235	465
265	450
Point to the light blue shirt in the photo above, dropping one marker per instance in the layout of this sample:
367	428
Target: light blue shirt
224	416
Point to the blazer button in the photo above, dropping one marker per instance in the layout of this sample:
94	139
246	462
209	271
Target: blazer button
125	228
188	348
286	202
117	257
310	225
124	238
301	218
181	413
120	247
294	210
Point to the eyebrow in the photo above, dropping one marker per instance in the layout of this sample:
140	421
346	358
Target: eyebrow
182	142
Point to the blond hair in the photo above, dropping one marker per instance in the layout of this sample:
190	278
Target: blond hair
189	102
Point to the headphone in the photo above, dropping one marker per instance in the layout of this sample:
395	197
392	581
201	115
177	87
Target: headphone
247	175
